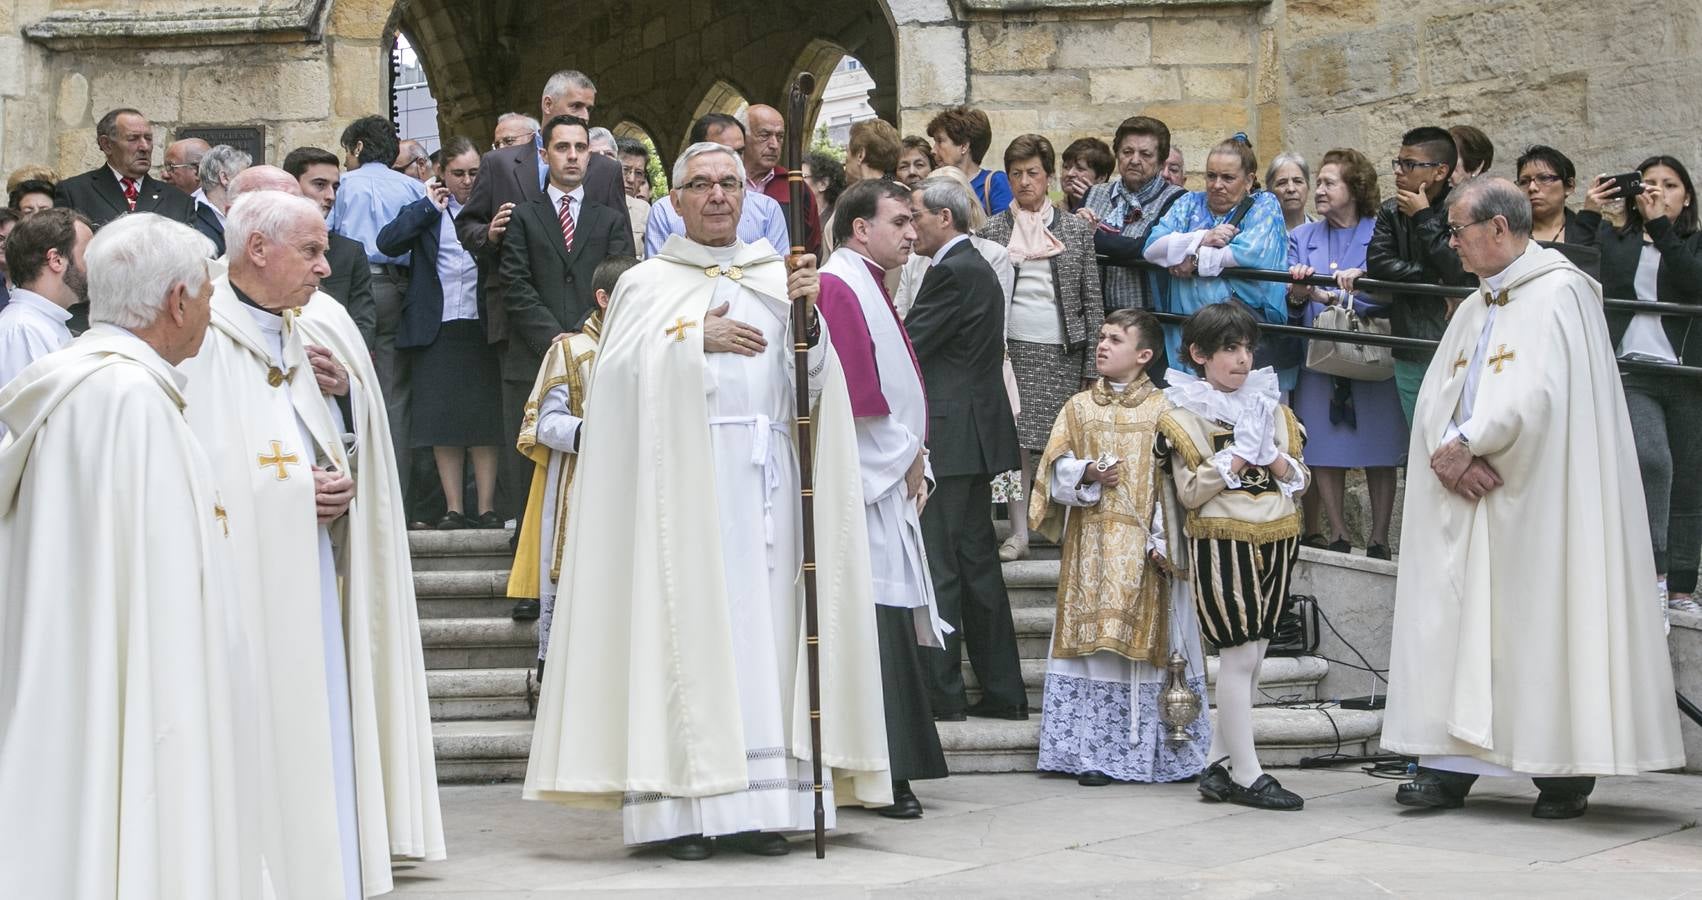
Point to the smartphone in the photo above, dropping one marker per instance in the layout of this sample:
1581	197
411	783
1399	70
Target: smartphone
1630	183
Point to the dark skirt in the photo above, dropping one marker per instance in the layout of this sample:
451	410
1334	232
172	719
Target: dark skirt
1240	588
457	389
913	743
1047	376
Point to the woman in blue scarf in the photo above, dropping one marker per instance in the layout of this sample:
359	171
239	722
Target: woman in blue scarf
1208	231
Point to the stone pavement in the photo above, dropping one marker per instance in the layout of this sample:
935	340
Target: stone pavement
1022	835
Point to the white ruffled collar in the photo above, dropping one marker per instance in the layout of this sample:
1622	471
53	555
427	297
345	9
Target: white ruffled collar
1196	395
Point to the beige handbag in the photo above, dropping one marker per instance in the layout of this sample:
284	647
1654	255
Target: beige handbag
1361	362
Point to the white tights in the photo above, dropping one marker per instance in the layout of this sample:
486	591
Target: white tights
1237	679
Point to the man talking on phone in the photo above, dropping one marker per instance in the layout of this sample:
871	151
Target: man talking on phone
1410	243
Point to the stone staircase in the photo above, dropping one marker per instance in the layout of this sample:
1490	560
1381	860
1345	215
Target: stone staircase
477	660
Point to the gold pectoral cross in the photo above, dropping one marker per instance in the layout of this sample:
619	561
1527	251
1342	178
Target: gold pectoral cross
279	459
1502	357
677	331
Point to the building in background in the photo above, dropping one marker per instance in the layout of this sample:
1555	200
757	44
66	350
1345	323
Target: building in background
845	99
411	104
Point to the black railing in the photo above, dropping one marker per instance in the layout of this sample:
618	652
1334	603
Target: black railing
1373	286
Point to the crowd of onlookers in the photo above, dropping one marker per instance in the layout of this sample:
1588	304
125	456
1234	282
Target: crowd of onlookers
460	265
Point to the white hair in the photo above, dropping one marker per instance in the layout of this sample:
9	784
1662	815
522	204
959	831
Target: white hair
135	261
601	135
701	148
220	164
567	78
512	116
270	214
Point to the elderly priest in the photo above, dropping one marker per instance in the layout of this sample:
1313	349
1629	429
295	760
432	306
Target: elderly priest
300	448
120	686
675	685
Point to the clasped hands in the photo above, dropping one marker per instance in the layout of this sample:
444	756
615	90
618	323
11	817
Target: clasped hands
1254	441
1218	237
333	491
724	335
916	481
1461	472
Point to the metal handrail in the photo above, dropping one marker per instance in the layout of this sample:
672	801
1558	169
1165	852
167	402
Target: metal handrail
1376	286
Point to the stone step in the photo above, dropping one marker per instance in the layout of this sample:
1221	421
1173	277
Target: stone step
461	550
496	750
500	693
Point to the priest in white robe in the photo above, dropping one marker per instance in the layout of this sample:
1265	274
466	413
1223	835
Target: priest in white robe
1556	671
127	760
321	559
675	686
873	233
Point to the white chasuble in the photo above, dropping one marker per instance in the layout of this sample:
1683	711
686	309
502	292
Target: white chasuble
1553	668
127	745
675	682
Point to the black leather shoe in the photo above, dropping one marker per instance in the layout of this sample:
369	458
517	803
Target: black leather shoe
1377	551
487	520
904	803
1341	546
1093	779
690	848
949	716
1429	790
984	711
526	610
1266	793
1560	806
453	521
1215	783
758	843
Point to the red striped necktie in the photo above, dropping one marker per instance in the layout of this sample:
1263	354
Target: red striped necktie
567	222
130	191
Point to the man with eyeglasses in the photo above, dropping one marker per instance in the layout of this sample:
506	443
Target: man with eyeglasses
182	169
413	161
760	217
765	142
1410	243
635	176
513	128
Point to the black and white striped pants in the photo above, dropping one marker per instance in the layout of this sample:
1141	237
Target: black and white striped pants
1241	588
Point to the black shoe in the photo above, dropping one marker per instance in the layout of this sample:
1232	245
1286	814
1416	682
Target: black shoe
1432	790
1317	541
453	521
758	843
487	520
984	711
1378	551
1215	783
1560	806
419	526
526	610
1341	547
904	803
1093	779
949	716
1266	793
690	848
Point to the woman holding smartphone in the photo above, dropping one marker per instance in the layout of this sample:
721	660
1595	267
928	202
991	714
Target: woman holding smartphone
1657	255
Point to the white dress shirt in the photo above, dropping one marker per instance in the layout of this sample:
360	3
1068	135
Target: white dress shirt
31	326
457	273
576	202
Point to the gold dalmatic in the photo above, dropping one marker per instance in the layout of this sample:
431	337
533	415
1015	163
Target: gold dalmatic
1110	596
567	363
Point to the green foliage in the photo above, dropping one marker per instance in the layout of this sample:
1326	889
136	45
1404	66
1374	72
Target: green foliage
824	144
658	178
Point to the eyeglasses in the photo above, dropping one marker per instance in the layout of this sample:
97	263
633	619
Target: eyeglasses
511	140
1454	231
1407	165
700	186
633	171
165	170
1524	181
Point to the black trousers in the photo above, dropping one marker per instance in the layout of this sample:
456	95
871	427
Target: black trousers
963	558
1565	786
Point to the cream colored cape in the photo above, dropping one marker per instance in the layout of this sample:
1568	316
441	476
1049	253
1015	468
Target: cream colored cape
122	691
1526	632
234	412
639	693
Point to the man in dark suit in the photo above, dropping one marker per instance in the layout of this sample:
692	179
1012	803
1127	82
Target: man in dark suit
319	172
552	246
123	184
957	326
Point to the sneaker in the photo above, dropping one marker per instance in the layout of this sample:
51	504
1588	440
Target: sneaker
1685	605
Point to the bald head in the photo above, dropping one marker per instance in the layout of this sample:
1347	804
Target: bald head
765	138
263	178
183	164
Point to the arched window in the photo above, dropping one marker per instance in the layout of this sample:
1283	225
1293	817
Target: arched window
412	107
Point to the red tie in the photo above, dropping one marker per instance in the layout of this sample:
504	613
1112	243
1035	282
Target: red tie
130	192
567	222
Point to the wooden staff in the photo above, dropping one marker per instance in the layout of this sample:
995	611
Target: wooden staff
797	98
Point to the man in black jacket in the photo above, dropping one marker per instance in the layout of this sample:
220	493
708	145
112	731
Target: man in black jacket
957	326
1410	243
123	184
552	246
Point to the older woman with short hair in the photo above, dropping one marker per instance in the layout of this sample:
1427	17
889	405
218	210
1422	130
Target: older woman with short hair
1056	310
1350	424
1289	179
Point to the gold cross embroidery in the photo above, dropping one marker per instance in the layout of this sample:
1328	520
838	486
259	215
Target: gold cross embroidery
276	376
733	272
1502	357
224	520
677	331
279	459
1460	363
